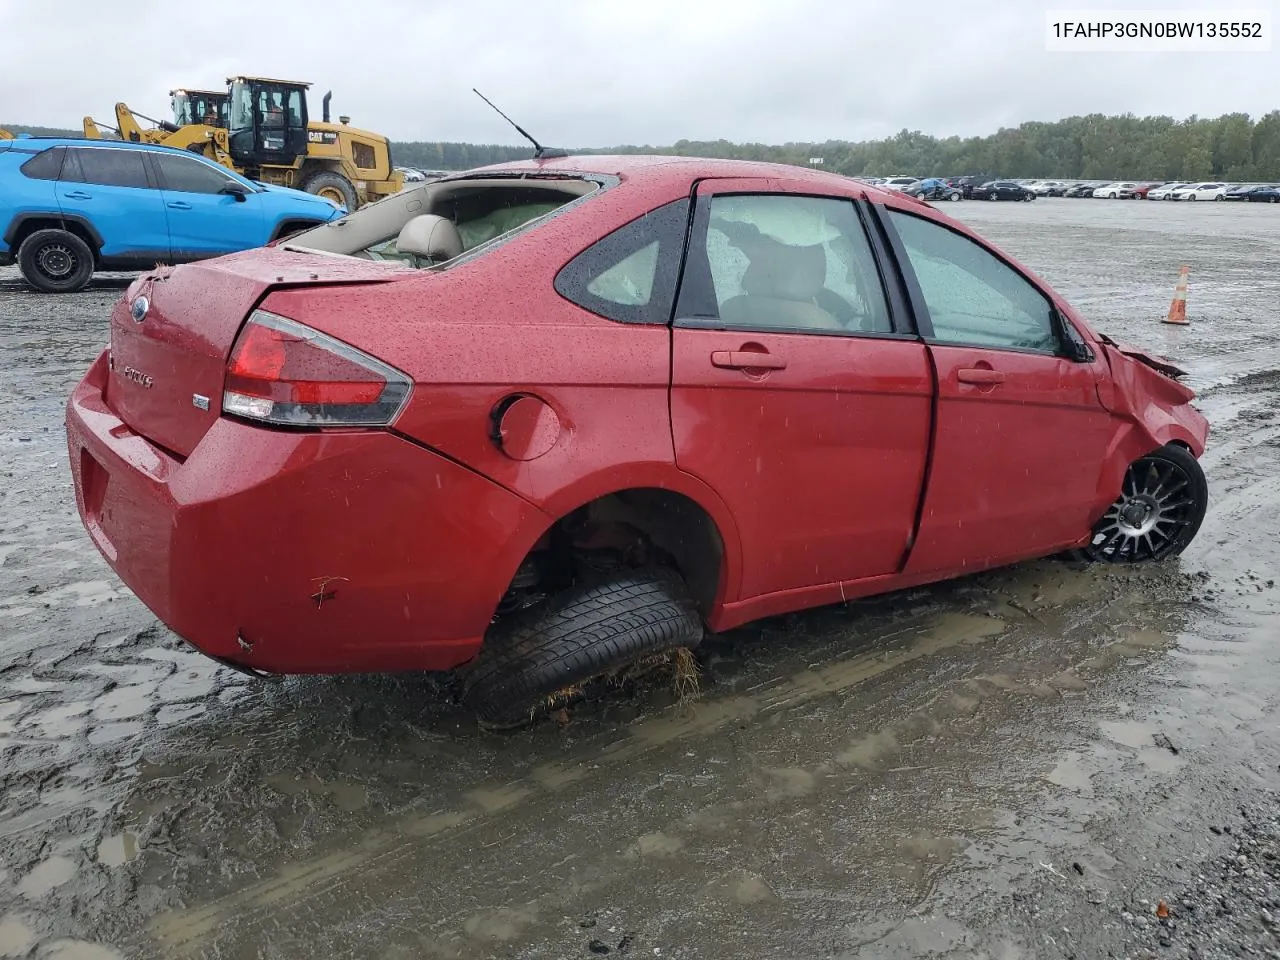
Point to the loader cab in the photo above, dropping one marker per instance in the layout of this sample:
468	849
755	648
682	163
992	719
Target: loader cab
268	122
208	107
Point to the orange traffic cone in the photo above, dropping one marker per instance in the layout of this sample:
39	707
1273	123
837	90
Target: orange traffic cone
1178	309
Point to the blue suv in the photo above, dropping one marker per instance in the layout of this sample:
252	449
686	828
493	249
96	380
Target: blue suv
70	207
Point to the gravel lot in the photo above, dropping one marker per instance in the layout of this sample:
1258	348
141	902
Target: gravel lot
1025	763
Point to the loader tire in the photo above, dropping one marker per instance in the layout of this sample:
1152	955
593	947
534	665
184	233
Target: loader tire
595	630
333	186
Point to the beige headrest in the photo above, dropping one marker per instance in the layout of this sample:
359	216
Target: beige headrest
790	273
430	237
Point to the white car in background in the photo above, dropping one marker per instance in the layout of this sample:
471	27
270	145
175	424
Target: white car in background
1201	191
898	183
1121	190
1165	191
1042	188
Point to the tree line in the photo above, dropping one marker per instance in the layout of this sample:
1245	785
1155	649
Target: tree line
1231	147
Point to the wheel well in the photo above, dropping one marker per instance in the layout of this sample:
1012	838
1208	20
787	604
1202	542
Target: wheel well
32	224
630	527
289	227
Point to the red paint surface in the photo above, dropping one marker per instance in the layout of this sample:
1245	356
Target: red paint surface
851	467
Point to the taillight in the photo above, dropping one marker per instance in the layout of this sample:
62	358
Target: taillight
284	372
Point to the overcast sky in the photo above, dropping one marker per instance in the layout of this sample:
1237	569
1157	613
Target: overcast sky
604	72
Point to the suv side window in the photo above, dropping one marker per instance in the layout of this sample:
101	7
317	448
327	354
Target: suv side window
784	263
630	275
105	166
973	297
185	175
44	165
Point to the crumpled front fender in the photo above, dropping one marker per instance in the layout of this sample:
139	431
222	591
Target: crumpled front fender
1151	410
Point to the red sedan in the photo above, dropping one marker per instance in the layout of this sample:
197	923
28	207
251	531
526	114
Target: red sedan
550	418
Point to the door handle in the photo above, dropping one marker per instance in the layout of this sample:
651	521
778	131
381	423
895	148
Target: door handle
979	375
746	360
179	205
78	195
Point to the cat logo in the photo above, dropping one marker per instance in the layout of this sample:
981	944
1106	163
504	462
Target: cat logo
321	136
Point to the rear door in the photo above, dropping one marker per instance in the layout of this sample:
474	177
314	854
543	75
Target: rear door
793	394
203	220
109	188
1020	434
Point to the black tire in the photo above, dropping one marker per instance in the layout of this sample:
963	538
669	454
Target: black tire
55	261
1182	496
591	631
992	196
329	184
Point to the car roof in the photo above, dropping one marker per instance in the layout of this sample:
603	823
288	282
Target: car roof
47	143
658	168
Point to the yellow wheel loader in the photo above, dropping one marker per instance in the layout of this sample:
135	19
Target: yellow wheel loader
273	139
5	134
207	107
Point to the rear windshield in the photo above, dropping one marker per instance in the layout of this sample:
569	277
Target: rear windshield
484	212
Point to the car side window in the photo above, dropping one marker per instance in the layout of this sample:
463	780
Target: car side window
974	298
106	167
44	165
784	263
630	274
189	176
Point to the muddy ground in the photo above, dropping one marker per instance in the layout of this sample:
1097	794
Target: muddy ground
1018	764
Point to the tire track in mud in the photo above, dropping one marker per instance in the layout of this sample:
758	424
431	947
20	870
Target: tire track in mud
179	932
380	859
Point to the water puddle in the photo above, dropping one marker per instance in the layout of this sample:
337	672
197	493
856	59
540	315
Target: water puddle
118	850
44	877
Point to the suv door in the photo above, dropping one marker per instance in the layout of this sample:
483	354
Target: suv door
203	220
108	187
1021	433
793	394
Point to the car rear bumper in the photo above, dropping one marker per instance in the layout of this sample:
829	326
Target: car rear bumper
298	552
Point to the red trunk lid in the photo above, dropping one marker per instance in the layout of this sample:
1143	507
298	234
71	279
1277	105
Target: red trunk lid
168	362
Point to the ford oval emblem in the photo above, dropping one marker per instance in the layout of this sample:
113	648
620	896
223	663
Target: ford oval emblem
138	309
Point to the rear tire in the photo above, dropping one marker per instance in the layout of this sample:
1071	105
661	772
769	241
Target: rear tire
56	261
542	659
1162	503
333	186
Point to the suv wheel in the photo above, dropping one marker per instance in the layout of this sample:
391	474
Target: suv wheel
55	261
547	656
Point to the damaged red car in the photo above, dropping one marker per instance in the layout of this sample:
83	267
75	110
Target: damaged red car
551	418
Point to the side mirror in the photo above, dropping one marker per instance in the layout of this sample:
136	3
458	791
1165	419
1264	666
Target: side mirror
236	190
1074	346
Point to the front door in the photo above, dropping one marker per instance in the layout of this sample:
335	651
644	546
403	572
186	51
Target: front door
1021	434
793	395
204	221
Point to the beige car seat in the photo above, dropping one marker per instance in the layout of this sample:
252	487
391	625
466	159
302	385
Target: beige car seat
429	237
780	287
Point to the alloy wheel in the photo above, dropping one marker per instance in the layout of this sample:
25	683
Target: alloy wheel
1155	507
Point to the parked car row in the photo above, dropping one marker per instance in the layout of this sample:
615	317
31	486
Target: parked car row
981	187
